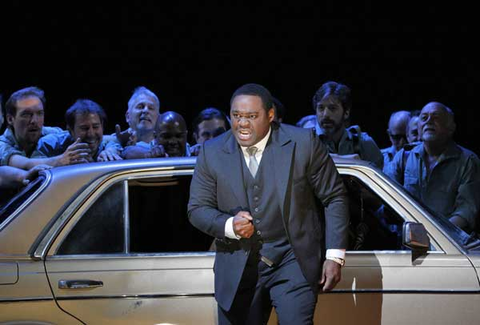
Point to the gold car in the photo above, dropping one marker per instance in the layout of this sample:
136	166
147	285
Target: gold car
110	243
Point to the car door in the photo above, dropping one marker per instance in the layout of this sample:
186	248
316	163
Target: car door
385	283
128	255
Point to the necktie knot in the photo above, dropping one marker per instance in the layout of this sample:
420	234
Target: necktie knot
253	163
252	151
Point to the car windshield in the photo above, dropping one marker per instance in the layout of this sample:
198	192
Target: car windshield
17	199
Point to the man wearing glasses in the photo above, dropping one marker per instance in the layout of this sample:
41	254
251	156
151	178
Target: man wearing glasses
397	133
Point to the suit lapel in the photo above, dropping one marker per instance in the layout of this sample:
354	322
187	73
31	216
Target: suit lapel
283	148
232	162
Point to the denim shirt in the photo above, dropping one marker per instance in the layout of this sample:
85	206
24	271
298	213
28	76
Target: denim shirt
9	145
368	148
388	154
56	144
453	186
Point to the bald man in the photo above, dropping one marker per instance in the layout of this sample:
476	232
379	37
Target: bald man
440	173
397	133
171	133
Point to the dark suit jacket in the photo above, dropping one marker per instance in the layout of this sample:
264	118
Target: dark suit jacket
303	172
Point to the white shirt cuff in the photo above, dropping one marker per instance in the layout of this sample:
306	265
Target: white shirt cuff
338	253
229	229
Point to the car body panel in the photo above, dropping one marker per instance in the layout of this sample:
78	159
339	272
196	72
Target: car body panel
398	286
8	273
138	289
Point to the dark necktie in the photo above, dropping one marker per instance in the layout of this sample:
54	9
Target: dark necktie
253	163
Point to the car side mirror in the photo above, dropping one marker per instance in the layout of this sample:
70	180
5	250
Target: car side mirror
415	236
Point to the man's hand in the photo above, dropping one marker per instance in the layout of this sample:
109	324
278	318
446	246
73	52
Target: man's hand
32	173
242	224
127	137
78	152
195	150
331	275
157	151
107	155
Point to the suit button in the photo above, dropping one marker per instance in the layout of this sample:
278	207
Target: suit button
255	198
259	232
255	187
256	209
257	221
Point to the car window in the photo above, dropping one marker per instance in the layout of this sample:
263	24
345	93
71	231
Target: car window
11	200
158	217
155	221
101	228
374	225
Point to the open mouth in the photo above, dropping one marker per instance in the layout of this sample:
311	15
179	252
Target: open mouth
244	134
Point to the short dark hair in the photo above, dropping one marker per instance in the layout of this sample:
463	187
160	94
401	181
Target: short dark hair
11	104
255	90
84	107
207	114
338	90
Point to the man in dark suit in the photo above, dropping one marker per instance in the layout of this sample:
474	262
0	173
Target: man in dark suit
255	190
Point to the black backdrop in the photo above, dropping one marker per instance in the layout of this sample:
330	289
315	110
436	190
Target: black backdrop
195	54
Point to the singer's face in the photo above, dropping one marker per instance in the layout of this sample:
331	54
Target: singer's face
250	120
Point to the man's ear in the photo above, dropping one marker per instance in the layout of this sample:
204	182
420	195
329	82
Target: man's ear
10	119
271	114
346	115
127	118
195	137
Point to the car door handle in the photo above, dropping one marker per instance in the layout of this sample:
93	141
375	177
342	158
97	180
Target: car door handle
79	284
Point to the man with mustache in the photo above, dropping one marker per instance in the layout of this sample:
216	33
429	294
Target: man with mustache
24	112
440	173
254	189
332	104
85	121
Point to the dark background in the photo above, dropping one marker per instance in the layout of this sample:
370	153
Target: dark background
395	56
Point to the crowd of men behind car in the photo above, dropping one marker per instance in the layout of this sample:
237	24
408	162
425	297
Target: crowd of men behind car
423	157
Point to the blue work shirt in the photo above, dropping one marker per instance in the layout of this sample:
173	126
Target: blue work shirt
9	145
368	149
56	144
388	154
453	186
